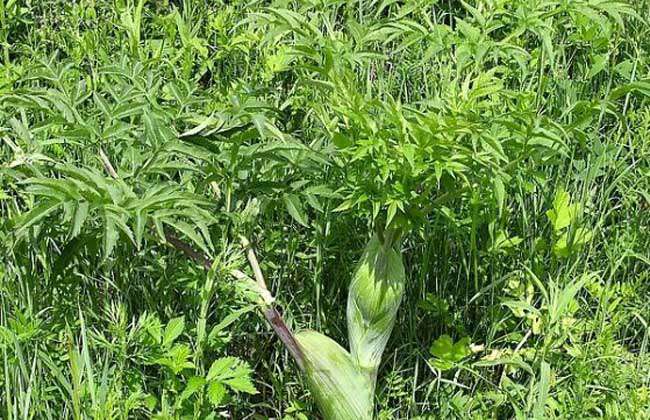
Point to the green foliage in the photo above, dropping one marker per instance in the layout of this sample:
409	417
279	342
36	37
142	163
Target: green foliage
506	141
446	352
563	215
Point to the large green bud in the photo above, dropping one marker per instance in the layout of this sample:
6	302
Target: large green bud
374	297
341	390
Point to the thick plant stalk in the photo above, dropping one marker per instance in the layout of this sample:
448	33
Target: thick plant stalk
268	309
341	390
374	297
343	383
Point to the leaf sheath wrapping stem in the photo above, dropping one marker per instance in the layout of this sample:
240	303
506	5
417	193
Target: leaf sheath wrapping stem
374	297
341	382
341	390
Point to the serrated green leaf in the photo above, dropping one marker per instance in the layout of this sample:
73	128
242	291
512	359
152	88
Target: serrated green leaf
109	238
173	329
37	213
295	209
194	384
216	393
221	367
242	383
448	352
188	230
233	372
80	215
229	319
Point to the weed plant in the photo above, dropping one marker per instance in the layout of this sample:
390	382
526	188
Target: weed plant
507	142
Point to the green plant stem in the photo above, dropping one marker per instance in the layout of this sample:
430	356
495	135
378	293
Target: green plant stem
273	317
271	314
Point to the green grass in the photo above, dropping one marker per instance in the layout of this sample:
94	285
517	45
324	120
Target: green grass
508	140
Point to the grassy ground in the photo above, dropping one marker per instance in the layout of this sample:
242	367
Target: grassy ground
510	140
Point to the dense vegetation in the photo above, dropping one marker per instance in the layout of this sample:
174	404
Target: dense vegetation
143	143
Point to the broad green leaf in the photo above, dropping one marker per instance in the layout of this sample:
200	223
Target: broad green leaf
232	372
36	214
295	209
564	247
599	64
341	140
80	215
173	329
194	384
216	393
448	352
563	212
442	347
221	367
